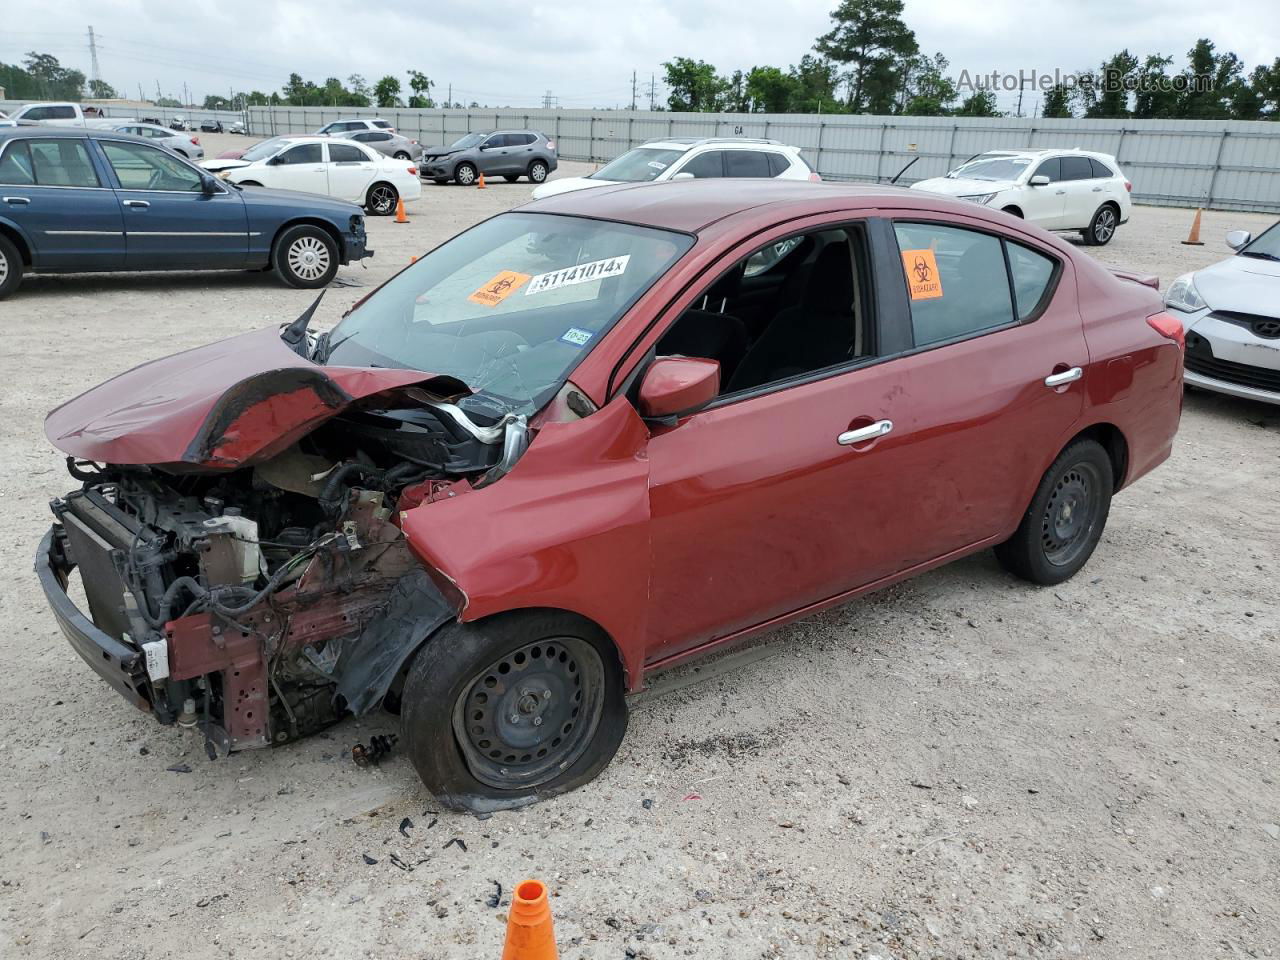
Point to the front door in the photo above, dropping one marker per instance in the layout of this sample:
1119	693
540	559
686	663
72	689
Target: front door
495	156
52	189
1042	205
170	221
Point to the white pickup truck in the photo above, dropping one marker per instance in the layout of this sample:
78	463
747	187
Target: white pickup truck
63	115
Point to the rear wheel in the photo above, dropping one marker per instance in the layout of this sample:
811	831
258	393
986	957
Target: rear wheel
381	200
1102	227
538	171
10	267
465	174
522	706
305	257
400	155
440	181
511	177
1066	518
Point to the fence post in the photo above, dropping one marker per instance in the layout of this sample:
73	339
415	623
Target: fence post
1217	164
880	150
591	138
817	154
951	144
671	126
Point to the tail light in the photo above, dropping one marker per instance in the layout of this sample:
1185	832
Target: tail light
196	141
413	170
1169	327
1128	187
551	144
813	177
414	142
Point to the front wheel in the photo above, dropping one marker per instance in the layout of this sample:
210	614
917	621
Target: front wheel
305	257
1102	227
381	200
513	709
538	171
10	267
1066	518
400	155
465	174
511	177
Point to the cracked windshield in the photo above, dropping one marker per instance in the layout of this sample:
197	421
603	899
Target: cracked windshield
509	307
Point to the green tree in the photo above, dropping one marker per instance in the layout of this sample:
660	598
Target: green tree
101	90
981	104
217	103
1209	77
694	85
927	91
421	86
1110	99
359	88
735	93
1155	95
870	39
1057	102
769	90
51	79
815	79
1265	81
386	92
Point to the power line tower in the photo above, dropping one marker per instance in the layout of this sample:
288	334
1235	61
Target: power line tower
94	73
633	90
653	92
550	101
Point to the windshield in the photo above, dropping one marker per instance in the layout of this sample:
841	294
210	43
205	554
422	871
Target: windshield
260	151
638	166
511	306
1266	246
992	168
465	143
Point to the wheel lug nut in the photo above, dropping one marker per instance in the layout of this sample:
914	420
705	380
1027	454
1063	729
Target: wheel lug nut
515	718
546	694
537	721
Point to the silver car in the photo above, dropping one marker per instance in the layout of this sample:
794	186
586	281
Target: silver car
1231	313
386	142
508	153
175	140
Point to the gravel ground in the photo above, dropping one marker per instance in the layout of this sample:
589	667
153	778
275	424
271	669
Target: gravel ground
960	766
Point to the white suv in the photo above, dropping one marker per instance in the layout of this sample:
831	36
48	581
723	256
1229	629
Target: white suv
340	128
1055	189
684	159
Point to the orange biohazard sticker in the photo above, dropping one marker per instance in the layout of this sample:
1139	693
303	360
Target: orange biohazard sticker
499	288
922	274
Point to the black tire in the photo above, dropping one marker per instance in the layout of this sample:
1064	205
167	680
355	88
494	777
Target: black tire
511	177
460	697
10	267
305	257
1102	227
400	155
440	181
381	199
465	174
1013	212
538	171
1066	518
250	183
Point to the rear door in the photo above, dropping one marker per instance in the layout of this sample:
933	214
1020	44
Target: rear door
170	222
51	188
1082	192
746	163
1043	205
351	171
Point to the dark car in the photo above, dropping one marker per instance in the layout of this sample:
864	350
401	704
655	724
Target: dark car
77	201
585	440
211	126
511	154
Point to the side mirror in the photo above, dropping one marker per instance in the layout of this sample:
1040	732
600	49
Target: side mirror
674	385
276	160
1039	180
1237	239
208	186
684	176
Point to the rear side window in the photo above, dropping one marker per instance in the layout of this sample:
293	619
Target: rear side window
709	164
778	164
385	125
1100	169
15	165
520	139
1077	168
375	137
303	153
956	280
746	163
62	163
345	153
1032	275
364	137
1051	168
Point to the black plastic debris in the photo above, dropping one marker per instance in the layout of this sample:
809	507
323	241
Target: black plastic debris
369	860
397	861
179	768
459	841
434	821
647	803
405	826
378	748
495	898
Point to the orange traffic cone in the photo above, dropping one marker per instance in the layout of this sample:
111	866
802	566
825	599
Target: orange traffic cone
1193	238
529	933
400	217
480	182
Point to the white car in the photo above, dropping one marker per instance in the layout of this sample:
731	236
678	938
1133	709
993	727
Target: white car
1231	313
683	159
335	168
1056	189
340	128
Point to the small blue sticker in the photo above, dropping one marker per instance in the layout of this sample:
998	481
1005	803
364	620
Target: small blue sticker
578	338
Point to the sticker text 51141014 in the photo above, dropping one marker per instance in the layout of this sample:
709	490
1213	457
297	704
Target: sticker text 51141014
580	273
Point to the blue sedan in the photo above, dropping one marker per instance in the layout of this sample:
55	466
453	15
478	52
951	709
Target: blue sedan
75	201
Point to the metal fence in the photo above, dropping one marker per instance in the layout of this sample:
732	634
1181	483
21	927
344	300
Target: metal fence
163	114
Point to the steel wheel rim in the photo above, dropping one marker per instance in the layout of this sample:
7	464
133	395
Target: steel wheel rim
539	173
1105	226
466	175
1071	514
530	715
382	199
402	155
308	258
4	268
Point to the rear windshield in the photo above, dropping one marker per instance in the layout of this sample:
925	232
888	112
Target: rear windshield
638	166
511	306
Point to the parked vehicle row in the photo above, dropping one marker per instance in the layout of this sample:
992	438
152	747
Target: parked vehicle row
75	201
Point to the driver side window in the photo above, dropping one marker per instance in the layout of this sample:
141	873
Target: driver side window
303	153
142	167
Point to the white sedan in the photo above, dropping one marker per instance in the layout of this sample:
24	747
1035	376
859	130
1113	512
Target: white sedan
335	168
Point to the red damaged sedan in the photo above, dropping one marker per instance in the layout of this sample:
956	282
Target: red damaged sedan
585	440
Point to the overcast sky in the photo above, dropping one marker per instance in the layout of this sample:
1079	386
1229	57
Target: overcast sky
509	53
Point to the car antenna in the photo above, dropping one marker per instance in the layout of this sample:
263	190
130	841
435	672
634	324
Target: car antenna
295	334
903	170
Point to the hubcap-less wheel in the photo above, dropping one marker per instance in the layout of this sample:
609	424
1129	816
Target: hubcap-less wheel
308	258
1070	514
1105	225
466	176
528	717
382	199
402	155
4	268
538	172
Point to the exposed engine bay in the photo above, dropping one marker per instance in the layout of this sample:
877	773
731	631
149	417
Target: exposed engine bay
267	601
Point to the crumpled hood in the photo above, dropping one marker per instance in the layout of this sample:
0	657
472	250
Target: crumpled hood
1241	285
220	406
962	186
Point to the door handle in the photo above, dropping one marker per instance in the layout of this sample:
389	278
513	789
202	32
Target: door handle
877	429
1097	190
23	200
139	204
1063	378
1060	192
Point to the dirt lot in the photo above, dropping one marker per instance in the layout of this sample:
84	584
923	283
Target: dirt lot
962	766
